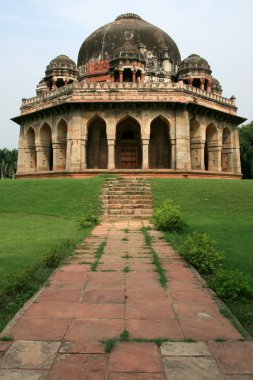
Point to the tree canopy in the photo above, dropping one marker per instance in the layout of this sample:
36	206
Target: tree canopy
246	145
8	163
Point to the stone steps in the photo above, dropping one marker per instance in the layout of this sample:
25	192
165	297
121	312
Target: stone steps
126	198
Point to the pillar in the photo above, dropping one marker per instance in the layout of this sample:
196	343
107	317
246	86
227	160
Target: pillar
111	153
142	77
202	84
42	152
173	154
214	157
84	154
183	157
54	84
59	156
209	85
190	81
145	149
73	161
121	76
133	76
236	154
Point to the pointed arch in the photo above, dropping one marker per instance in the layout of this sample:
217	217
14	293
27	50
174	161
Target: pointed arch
128	154
97	146
160	143
32	157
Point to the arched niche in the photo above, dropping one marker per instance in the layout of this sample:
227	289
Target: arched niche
30	139
195	144
226	151
97	146
128	154
211	151
60	147
46	149
160	144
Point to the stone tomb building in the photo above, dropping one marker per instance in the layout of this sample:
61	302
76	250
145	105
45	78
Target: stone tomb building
129	106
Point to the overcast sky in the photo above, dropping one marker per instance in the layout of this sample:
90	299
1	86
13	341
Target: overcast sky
33	32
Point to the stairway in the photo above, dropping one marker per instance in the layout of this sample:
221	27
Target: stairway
126	198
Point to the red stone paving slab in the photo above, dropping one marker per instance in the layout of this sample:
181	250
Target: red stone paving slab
144	310
39	329
135	376
75	268
104	296
111	266
135	357
58	295
183	286
67	285
77	367
93	330
69	276
141	267
197	296
191	309
208	328
81	348
234	358
152	329
145	295
62	310
100	311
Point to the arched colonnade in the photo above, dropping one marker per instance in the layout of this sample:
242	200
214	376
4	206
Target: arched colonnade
211	149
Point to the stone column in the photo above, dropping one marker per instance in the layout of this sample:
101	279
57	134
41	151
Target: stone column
209	85
59	156
190	81
202	155
111	153
134	76
73	162
173	154
84	154
202	84
142	77
121	76
42	158
214	157
183	157
236	155
145	149
22	162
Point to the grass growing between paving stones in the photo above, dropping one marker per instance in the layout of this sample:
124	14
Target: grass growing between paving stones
37	218
98	255
109	344
155	258
126	269
224	210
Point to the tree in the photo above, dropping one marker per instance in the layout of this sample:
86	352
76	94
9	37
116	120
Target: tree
8	163
246	145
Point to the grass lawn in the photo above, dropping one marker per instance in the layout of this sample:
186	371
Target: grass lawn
223	209
37	215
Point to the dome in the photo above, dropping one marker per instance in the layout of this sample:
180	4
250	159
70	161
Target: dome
127	28
194	62
62	59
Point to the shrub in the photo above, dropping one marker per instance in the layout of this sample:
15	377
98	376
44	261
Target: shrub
53	259
89	221
200	251
19	281
231	285
168	217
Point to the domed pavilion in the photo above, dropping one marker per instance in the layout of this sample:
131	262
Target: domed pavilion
129	106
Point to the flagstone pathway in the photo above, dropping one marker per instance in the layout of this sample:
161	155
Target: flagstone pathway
59	333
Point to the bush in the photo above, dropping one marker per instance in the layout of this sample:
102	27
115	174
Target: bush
89	221
231	285
53	259
200	251
168	217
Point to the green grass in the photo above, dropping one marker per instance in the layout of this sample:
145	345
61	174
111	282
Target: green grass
223	209
98	256
39	218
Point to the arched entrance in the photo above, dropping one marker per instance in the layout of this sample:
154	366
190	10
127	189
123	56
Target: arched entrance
159	144
97	147
30	136
128	145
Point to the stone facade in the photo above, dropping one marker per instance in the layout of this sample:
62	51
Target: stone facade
114	116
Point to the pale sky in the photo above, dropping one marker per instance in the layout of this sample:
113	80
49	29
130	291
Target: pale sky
33	32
